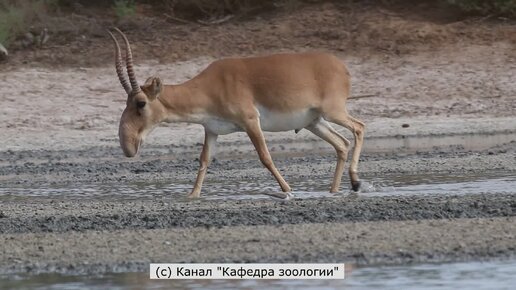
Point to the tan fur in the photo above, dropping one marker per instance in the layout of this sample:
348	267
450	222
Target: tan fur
230	94
281	82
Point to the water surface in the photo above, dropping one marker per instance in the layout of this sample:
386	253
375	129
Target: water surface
381	185
472	275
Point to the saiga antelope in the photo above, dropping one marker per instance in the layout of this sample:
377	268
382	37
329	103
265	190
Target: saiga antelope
278	92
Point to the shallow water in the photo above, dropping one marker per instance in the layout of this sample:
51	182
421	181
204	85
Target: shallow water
472	275
384	185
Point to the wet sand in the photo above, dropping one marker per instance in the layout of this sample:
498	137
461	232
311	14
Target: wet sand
95	234
360	243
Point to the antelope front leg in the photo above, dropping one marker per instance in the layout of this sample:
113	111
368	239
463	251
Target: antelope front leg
256	135
209	143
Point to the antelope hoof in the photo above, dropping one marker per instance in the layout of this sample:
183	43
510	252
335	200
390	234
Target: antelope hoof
194	195
355	185
283	196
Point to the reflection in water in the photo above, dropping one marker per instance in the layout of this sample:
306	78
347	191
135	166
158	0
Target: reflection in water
384	185
473	275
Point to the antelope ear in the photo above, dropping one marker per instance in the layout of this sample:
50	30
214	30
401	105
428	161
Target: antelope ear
152	87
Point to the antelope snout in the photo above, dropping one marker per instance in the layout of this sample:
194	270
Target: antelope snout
130	149
130	144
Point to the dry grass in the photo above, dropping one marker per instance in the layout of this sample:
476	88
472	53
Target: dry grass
16	17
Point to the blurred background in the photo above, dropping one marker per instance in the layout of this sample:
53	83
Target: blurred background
72	32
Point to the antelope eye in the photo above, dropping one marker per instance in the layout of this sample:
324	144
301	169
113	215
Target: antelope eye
140	104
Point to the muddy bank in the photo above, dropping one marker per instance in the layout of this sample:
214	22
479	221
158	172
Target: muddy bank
123	232
164	165
104	236
65	215
362	243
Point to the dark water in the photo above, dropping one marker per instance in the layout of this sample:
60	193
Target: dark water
472	275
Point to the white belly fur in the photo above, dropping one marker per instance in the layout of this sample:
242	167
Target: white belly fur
220	126
270	121
278	121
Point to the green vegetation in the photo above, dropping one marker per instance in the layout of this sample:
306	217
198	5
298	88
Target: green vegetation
17	16
124	8
11	21
486	7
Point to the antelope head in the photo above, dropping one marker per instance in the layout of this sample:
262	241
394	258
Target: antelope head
143	110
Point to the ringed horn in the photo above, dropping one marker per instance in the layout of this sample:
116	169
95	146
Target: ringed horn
134	87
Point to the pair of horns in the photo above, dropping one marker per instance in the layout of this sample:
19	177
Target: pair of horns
134	87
